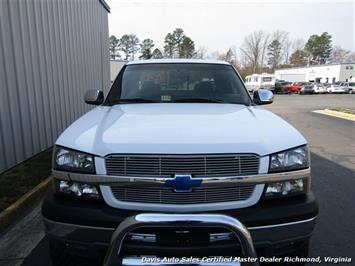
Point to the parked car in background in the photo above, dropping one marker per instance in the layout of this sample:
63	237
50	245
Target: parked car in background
280	86
295	87
307	89
349	87
319	88
336	88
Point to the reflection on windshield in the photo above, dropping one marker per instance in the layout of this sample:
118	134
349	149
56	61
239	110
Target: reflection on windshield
169	83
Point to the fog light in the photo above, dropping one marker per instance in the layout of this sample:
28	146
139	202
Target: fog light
77	189
285	188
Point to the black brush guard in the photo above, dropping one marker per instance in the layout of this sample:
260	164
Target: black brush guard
114	258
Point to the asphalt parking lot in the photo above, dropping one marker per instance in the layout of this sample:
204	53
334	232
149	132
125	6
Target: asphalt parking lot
332	145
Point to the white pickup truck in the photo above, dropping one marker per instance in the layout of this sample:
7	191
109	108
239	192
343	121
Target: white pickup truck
180	137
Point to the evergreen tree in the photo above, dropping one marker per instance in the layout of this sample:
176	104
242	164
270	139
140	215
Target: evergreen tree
320	48
147	46
187	48
157	54
274	54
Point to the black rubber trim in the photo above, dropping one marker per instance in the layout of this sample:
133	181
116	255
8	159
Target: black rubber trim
99	214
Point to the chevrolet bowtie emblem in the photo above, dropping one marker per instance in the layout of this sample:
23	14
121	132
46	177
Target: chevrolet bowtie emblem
183	183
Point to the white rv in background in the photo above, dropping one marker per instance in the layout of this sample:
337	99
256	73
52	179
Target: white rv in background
259	81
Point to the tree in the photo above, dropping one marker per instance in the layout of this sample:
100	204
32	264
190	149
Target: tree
230	57
146	48
298	58
157	54
264	49
113	47
179	37
134	44
187	48
125	45
341	55
252	49
129	45
173	43
274	54
279	38
298	44
319	48
201	52
287	51
177	44
169	47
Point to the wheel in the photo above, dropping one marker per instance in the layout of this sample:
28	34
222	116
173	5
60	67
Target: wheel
350	91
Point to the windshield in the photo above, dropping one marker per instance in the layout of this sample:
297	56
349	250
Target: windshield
168	83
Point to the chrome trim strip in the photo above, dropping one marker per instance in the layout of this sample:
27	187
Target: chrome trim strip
53	224
281	225
208	181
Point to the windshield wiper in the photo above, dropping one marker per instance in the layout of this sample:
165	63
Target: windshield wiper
197	100
134	100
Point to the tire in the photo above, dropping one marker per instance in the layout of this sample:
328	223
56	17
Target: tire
350	91
60	257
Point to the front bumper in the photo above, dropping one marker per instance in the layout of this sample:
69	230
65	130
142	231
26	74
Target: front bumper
89	226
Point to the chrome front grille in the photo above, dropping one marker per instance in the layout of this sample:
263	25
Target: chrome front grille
209	165
200	195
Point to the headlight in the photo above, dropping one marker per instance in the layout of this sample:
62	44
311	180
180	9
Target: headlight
70	160
286	188
293	159
76	189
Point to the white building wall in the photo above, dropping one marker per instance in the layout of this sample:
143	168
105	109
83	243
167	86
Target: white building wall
323	73
115	67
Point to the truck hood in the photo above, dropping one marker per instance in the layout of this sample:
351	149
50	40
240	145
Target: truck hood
180	128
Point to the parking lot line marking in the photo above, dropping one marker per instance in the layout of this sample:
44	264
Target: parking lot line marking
336	114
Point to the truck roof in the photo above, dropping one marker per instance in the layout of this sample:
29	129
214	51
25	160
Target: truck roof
172	61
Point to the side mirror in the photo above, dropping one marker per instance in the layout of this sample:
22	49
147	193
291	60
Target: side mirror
263	96
95	97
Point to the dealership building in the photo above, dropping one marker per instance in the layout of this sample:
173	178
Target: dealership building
328	73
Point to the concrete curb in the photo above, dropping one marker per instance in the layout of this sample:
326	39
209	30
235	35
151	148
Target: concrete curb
336	114
12	212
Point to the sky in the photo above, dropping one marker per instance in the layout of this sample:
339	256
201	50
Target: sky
219	25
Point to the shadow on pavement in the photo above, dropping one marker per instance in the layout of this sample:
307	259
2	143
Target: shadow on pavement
39	255
334	186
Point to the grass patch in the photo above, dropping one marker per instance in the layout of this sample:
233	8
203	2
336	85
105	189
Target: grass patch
17	181
344	110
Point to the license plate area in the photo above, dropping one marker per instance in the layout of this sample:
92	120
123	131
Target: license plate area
182	237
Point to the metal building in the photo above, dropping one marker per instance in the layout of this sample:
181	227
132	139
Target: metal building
328	73
51	52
